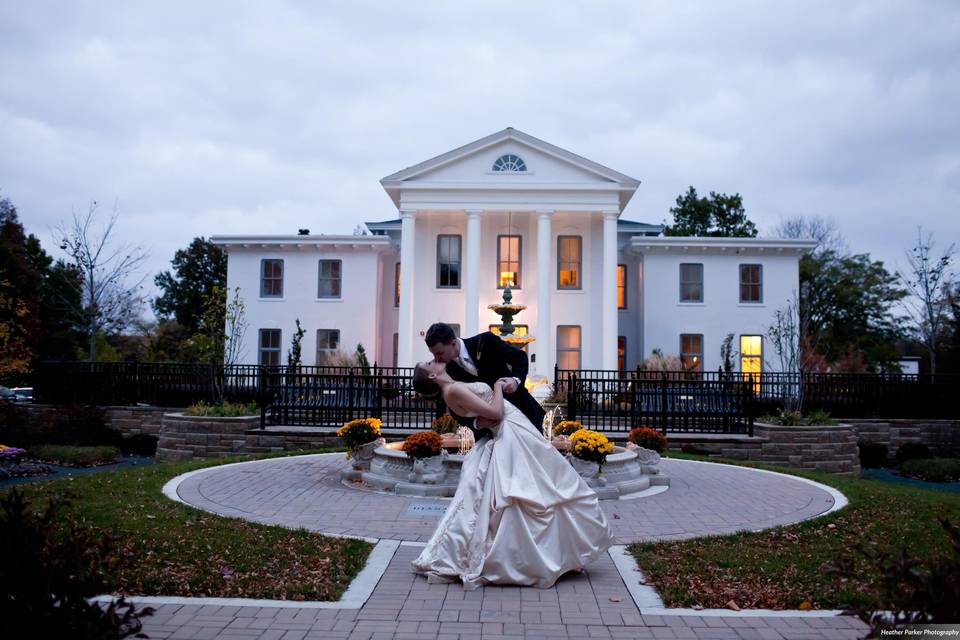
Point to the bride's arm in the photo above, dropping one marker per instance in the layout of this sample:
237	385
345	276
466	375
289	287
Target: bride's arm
463	401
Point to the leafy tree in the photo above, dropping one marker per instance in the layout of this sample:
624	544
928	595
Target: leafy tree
719	216
847	304
198	270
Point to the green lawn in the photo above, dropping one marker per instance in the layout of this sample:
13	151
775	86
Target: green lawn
170	549
786	567
73	456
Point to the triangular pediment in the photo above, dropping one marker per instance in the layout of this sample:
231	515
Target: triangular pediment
476	165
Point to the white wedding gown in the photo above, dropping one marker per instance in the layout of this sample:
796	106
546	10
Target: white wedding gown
521	515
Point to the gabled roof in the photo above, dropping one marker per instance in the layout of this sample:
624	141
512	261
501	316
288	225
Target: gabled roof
393	182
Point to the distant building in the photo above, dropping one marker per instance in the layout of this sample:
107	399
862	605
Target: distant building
601	292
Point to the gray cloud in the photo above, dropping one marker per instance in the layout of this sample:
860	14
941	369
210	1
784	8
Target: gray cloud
213	118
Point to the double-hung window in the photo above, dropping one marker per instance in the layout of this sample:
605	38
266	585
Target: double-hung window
691	351
448	261
691	282
508	261
329	279
328	341
751	283
569	262
621	286
271	278
568	346
269	347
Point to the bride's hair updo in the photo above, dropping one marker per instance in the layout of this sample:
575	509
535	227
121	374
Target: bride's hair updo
423	384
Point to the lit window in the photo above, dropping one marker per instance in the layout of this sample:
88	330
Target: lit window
508	261
269	347
569	259
448	262
622	353
691	351
329	279
751	359
568	346
396	285
328	341
621	286
691	282
271	278
751	283
509	162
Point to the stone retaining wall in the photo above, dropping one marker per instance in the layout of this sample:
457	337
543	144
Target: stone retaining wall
129	421
942	436
186	437
831	449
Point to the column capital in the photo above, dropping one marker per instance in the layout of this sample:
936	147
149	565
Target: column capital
610	214
544	214
408	213
472	213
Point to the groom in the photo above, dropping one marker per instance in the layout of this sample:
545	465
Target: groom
486	358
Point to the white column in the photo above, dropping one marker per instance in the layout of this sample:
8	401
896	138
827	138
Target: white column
405	336
544	335
471	276
609	299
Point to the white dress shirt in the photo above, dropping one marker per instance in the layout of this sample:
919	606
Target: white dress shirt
465	358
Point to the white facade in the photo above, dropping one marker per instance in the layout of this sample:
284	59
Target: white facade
453	208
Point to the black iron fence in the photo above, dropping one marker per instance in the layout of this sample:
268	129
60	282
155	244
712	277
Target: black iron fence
609	400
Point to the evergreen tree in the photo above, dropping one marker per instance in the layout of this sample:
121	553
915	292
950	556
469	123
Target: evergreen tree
719	216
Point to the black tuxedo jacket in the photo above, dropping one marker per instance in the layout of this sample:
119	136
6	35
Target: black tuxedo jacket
495	359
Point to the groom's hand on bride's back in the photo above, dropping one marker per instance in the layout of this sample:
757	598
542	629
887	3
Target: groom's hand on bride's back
509	384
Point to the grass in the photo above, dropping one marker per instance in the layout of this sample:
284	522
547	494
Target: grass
73	456
788	567
932	469
172	549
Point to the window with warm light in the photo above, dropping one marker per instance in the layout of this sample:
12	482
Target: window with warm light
691	351
508	261
396	285
448	261
751	358
621	286
568	346
569	261
751	283
622	353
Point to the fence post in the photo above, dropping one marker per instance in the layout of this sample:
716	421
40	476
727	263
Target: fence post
663	403
377	390
262	398
572	397
351	403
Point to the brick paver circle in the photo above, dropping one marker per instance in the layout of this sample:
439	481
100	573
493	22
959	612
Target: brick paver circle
306	491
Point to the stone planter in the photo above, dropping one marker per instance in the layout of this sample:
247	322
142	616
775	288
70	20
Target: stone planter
648	458
363	455
588	470
430	470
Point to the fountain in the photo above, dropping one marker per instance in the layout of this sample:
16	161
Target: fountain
627	471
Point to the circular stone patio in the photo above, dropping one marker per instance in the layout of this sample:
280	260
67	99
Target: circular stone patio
306	491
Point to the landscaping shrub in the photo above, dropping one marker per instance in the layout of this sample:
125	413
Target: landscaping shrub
141	444
932	469
873	455
423	444
226	410
46	578
819	417
912	451
71	456
648	439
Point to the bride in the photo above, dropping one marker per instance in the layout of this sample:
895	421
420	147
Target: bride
521	515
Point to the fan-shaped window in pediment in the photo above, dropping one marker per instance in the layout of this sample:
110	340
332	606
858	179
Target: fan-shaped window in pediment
510	163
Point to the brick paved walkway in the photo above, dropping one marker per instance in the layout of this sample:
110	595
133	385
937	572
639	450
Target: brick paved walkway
602	603
306	492
404	607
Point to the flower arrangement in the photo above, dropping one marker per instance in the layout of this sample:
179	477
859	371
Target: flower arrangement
589	445
566	427
359	432
445	424
648	439
423	444
11	454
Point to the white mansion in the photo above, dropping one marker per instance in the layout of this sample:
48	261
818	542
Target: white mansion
601	292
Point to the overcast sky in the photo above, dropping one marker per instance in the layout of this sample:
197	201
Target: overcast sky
206	118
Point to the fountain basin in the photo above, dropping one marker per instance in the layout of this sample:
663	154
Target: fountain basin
391	471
